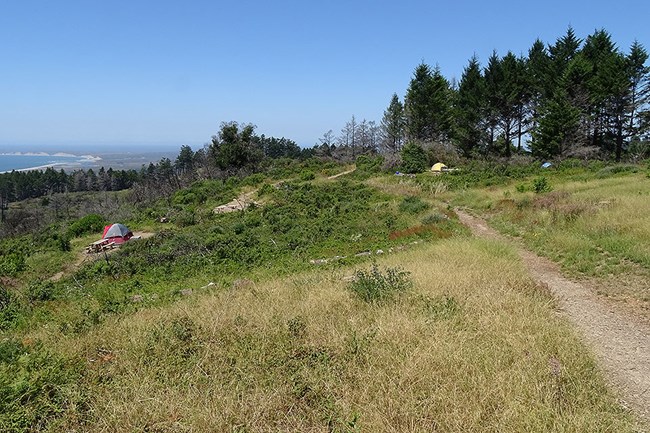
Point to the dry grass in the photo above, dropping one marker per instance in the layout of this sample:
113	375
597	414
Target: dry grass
474	346
597	230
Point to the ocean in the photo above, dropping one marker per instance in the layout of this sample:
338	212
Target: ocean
118	161
34	161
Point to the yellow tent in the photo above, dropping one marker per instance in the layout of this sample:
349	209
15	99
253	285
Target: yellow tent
438	166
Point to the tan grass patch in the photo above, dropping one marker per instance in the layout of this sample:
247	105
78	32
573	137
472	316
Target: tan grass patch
475	346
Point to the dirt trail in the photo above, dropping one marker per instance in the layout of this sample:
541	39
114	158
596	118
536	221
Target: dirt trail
621	345
246	199
342	174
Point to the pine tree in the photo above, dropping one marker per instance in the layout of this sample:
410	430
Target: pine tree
441	108
470	108
393	127
560	54
493	78
558	127
639	75
417	104
537	71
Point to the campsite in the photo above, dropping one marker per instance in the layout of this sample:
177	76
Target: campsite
274	301
263	217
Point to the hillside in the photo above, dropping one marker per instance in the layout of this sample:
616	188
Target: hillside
354	303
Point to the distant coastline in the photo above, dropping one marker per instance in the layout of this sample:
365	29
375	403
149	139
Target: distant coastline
26	161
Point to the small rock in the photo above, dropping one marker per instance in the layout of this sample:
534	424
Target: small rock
186	292
318	261
137	298
210	284
364	253
380	252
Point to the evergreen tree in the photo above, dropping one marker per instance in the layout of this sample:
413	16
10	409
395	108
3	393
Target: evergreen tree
639	75
441	108
558	127
236	148
493	77
185	160
393	127
428	105
470	108
417	104
606	79
560	54
537	70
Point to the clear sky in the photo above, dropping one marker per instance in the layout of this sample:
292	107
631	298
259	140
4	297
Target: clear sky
166	73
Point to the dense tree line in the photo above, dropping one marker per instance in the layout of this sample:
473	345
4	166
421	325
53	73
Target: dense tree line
580	98
21	185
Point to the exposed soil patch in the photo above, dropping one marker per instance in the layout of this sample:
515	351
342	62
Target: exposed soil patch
246	199
341	174
240	203
621	344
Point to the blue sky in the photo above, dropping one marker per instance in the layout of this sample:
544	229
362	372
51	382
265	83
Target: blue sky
164	73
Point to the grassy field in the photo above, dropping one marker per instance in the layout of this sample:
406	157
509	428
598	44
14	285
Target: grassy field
596	228
474	345
468	343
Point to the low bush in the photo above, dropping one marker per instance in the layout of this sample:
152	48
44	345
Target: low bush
414	158
616	169
413	205
307	175
541	185
12	264
377	286
41	291
9	309
92	223
369	164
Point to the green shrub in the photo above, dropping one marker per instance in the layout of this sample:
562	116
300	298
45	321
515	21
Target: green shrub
92	223
307	175
434	219
12	264
9	309
414	158
413	205
375	286
253	179
185	218
541	185
616	169
41	291
265	189
369	164
185	197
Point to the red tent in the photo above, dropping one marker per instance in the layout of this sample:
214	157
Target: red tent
118	233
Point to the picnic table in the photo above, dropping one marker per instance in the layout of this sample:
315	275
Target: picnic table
100	245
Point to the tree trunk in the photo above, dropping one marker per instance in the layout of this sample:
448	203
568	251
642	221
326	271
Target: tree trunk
619	140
